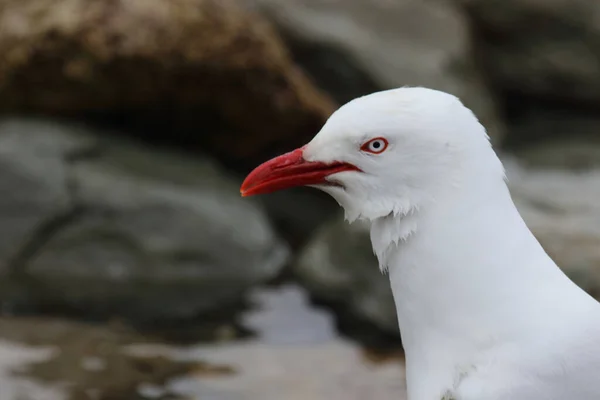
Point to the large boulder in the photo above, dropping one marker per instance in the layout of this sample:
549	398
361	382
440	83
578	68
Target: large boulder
204	73
560	207
548	49
353	47
110	228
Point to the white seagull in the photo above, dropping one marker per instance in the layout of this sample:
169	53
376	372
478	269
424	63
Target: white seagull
484	312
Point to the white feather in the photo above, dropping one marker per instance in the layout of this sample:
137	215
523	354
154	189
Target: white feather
484	313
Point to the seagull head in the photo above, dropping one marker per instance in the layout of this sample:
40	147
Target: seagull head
386	153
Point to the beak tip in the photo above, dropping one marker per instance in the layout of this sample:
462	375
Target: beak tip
245	191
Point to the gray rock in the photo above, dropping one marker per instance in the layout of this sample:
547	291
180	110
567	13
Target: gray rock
33	181
300	358
384	44
299	212
154	235
558	139
561	208
339	266
548	48
572	153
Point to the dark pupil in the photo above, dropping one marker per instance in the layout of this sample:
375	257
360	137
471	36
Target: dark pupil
376	145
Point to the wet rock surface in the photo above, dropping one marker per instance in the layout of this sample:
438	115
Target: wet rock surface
34	183
134	232
291	358
52	359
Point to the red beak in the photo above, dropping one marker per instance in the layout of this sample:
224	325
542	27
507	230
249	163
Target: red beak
290	170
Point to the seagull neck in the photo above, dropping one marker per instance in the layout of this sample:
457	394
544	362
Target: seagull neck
470	275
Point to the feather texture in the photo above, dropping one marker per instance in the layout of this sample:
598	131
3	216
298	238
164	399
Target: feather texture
484	313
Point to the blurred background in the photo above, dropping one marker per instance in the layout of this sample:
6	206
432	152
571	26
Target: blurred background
130	266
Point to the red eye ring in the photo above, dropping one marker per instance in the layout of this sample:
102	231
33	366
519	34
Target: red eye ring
375	146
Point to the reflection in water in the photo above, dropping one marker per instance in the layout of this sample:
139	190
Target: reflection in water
284	316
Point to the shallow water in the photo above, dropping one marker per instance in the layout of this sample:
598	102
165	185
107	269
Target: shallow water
295	354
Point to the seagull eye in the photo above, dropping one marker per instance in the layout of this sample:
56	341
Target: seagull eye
375	146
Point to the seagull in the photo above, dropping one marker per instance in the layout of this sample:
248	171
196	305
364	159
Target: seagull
484	312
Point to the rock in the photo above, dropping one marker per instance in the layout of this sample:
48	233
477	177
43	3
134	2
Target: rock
338	266
355	47
548	49
572	153
562	210
556	138
206	71
152	235
33	181
297	213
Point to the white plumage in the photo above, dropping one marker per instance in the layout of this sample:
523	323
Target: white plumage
484	313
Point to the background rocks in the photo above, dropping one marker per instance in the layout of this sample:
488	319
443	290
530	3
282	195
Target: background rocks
338	266
562	210
34	183
126	230
540	48
540	57
196	72
354	47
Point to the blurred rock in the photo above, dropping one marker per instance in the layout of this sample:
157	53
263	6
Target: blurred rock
298	212
562	209
151	235
33	182
572	153
339	267
354	47
550	137
200	72
549	49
